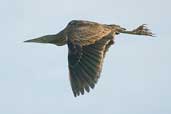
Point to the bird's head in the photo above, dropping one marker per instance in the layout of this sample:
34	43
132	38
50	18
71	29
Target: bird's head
72	22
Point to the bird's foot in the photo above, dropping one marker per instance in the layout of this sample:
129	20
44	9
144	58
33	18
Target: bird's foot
143	30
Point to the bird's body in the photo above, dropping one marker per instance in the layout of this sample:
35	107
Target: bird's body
87	43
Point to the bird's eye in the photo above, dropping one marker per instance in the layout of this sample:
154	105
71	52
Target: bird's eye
72	22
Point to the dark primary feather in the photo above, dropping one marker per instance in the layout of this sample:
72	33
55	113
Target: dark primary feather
85	64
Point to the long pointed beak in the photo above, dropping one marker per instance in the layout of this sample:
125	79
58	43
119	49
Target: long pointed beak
43	39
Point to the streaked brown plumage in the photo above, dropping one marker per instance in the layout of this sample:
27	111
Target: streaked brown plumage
87	43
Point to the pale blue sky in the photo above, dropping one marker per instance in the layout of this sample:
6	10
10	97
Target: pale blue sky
136	77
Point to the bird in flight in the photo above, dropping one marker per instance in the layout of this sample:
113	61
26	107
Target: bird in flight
87	44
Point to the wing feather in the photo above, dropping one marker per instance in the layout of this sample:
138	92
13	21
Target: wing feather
85	64
86	32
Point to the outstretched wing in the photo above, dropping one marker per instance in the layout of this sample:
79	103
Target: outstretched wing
86	32
85	64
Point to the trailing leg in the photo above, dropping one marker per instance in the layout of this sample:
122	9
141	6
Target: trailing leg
141	30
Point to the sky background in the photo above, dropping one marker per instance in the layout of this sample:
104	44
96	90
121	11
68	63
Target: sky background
136	76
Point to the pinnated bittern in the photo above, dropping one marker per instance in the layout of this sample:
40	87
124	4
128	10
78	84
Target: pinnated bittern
87	43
